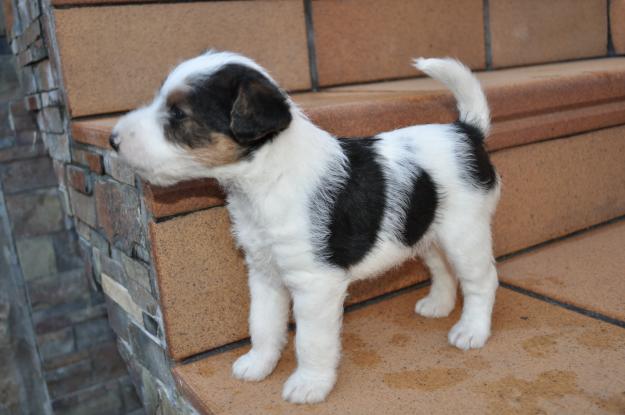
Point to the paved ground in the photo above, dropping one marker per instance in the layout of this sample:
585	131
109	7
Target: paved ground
543	357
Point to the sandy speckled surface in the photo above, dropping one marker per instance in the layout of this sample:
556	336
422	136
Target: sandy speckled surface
100	76
382	37
203	282
534	31
540	359
587	270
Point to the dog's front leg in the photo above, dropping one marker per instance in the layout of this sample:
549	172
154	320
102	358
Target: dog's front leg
318	311
269	312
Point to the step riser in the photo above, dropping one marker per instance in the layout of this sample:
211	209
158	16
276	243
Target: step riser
550	189
101	77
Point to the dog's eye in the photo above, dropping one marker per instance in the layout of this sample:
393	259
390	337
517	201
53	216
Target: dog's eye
176	113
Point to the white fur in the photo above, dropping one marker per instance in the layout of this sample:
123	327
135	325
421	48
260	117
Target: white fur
270	198
466	88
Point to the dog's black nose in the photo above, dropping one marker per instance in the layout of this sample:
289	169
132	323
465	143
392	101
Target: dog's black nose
114	142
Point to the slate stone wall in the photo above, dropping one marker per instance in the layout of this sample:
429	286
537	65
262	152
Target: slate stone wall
58	353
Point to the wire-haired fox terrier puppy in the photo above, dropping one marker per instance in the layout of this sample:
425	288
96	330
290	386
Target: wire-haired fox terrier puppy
314	213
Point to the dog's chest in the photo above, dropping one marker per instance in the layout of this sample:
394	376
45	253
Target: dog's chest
275	227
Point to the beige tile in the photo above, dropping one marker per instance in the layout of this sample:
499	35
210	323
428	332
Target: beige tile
617	25
365	40
203	282
101	76
535	31
183	197
528	104
587	270
540	359
553	188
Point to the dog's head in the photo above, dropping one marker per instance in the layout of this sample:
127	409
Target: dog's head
213	110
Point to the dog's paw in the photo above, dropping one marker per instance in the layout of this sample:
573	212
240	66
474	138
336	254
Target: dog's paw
469	335
253	367
303	388
434	307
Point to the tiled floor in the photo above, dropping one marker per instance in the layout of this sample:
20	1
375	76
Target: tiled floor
587	270
542	358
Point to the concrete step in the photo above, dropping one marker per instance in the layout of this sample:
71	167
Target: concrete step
528	105
551	187
586	270
101	77
541	358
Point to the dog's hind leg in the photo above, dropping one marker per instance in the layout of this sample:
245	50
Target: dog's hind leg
442	296
468	246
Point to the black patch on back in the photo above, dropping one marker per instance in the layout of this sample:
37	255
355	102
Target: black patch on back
421	209
478	167
358	209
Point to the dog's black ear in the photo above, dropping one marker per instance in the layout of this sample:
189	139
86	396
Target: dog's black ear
259	110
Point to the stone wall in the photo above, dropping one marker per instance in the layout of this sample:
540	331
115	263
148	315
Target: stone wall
58	353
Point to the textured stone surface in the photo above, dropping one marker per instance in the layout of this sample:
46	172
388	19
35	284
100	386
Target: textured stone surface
118	169
536	31
58	146
66	315
587	270
97	400
79	179
118	214
528	104
533	209
370	40
91	333
121	297
51	120
83	207
203	282
28	174
540	359
55	302
68	378
36	256
211	267
57	289
101	77
553	188
136	271
184	197
89	159
20	153
21	118
149	353
56	343
35	213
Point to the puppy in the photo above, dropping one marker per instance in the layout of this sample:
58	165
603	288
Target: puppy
314	213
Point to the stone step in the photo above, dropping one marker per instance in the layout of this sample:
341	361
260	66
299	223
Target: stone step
100	77
551	187
528	104
541	357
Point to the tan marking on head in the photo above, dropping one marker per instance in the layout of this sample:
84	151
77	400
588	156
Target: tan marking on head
220	151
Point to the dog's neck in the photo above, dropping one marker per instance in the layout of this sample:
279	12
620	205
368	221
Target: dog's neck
301	150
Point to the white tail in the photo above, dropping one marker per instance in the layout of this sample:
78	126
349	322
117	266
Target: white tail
471	101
